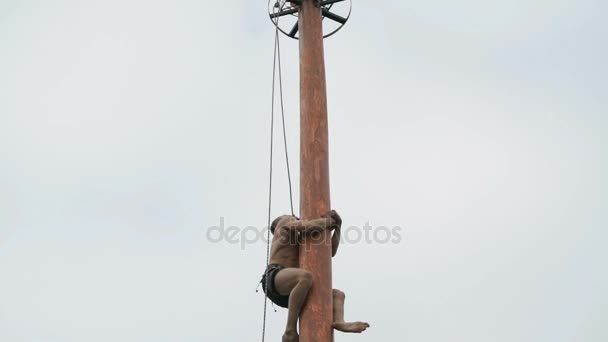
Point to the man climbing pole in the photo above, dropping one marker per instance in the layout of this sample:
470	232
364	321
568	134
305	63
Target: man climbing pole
299	275
287	285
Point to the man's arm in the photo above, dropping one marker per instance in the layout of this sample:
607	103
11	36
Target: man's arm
335	239
313	226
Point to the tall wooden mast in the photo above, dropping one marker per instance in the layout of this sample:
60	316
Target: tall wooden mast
315	253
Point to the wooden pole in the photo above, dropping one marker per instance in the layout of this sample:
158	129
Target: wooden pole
315	252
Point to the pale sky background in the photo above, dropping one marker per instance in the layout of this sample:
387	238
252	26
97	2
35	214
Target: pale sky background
127	128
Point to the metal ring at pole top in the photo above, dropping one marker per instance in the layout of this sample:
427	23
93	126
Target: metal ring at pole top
284	15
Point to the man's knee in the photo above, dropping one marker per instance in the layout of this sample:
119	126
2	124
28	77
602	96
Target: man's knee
339	294
305	278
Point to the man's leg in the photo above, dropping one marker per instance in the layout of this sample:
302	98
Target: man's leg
339	324
295	283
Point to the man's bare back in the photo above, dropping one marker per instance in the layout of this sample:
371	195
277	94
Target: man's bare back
288	285
285	251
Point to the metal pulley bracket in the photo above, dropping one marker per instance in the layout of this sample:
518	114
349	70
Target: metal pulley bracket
284	14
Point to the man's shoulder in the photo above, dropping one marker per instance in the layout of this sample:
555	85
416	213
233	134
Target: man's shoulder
282	231
285	226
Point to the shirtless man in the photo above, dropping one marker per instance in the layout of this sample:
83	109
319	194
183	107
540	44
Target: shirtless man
286	285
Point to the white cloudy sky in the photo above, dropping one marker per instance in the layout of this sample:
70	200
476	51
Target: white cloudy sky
127	128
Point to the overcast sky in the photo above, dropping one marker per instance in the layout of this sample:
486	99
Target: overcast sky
129	128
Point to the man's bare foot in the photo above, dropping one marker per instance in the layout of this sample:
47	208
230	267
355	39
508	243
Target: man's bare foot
351	327
291	336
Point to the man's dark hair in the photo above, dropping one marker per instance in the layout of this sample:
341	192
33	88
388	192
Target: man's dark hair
274	224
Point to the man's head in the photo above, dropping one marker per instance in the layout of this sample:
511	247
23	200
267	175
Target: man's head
278	220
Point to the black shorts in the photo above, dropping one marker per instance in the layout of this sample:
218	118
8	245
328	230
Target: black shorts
268	286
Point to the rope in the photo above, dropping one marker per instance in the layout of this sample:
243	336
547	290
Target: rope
276	63
283	121
270	182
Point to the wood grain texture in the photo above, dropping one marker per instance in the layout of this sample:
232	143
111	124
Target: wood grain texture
315	252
